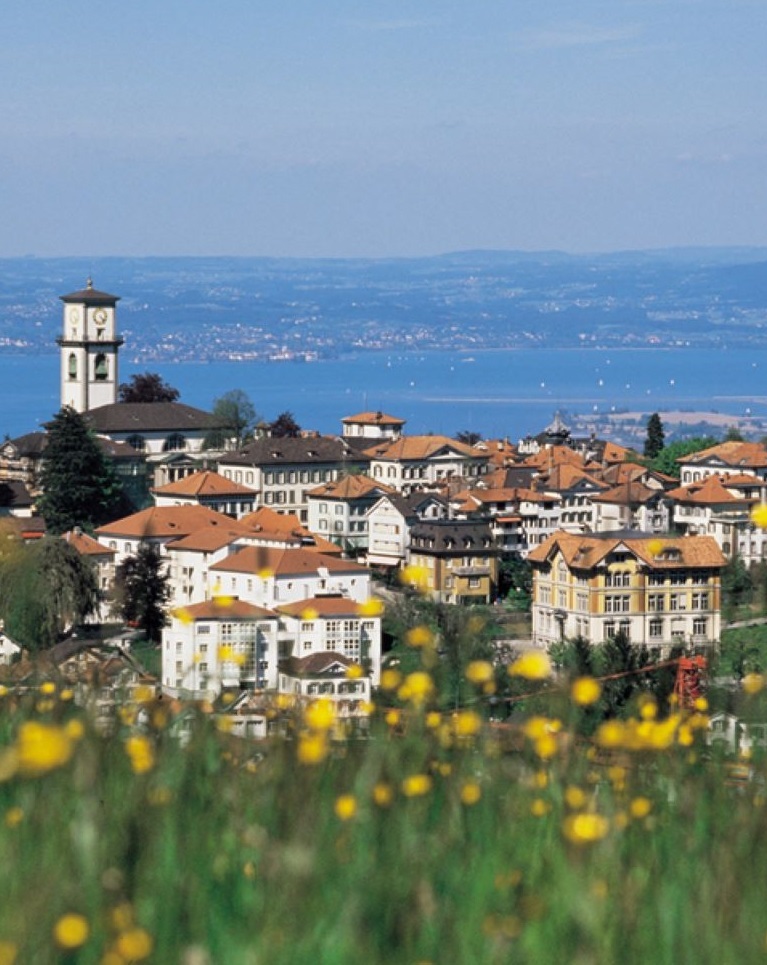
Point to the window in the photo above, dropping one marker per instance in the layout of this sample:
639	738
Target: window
656	628
700	627
700	601
617	604
474	582
138	442
101	368
174	442
339	509
608	630
73	366
621	578
655	601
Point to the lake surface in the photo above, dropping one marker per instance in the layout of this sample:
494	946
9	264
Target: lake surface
504	393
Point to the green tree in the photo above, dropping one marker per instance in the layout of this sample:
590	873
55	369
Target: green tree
733	434
656	437
737	586
233	419
147	387
620	660
80	486
666	460
515	582
285	427
142	592
45	589
468	437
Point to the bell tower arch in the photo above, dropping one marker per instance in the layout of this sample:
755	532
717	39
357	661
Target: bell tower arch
89	346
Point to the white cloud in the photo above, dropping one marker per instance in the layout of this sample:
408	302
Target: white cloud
576	35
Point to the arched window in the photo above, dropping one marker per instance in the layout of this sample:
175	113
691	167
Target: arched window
101	368
72	366
137	441
174	442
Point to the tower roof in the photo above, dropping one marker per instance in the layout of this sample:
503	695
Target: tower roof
90	296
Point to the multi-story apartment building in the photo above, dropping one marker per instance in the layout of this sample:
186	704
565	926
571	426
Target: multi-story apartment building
657	590
456	560
338	510
421	462
726	458
390	521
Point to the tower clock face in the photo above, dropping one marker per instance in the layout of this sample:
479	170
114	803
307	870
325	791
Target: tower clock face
100	317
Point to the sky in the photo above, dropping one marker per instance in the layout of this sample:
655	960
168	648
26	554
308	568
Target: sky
380	128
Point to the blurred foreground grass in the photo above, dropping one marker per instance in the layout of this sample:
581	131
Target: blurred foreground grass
441	839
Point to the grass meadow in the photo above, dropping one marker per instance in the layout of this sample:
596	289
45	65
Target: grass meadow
440	838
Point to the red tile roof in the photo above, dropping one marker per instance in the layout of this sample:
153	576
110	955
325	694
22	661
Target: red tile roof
284	562
205	483
165	522
586	551
224	608
322	607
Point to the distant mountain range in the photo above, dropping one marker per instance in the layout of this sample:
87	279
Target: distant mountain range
226	307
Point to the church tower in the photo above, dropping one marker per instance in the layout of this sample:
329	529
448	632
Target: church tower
89	345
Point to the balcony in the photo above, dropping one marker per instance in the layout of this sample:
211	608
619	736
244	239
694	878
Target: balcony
471	571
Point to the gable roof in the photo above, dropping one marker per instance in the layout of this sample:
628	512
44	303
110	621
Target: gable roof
373	419
583	552
311	450
278	561
224	608
351	487
708	491
204	483
627	493
322	607
421	447
746	454
269	524
166	522
86	545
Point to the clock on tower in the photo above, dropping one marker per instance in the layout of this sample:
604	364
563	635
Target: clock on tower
89	345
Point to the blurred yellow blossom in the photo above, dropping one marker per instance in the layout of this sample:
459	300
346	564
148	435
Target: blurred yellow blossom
575	797
585	691
354	671
141	753
759	515
13	817
390	679
8	953
345	807
74	729
479	672
752	683
415	576
585	828
71	931
540	808
371	608
417	688
419	636
467	723
655	547
640	807
134	945
433	719
312	748
383	794
416	785
320	714
533	665
471	792
393	717
48	687
41	748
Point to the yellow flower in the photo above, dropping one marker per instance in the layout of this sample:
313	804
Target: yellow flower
312	748
533	665
8	953
752	683
417	688
47	687
41	748
67	694
759	515
701	704
393	718
121	917
143	694
13	817
479	672
134	945
471	792
540	780
415	576
655	547
222	600
540	808
433	719
585	828
74	729
354	671
383	794
416	785
648	707
141	753
575	797
371	608
640	807
546	746
390	679
536	726
611	733
585	691
320	714
346	807
419	637
71	931
467	723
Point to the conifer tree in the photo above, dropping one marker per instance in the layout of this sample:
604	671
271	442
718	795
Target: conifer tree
80	486
142	592
656	437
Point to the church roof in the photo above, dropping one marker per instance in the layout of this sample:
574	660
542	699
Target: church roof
148	417
90	296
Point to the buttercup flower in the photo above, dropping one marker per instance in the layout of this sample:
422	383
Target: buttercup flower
41	748
345	807
533	665
71	931
585	691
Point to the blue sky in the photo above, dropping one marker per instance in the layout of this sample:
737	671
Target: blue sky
259	127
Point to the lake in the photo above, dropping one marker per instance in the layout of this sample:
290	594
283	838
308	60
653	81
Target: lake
497	393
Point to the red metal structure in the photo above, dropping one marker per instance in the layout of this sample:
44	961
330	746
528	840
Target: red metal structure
689	684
